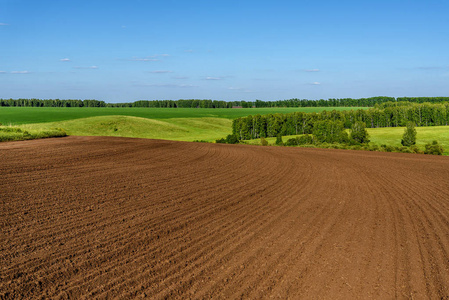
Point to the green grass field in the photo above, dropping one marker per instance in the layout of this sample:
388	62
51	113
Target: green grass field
183	124
392	136
28	115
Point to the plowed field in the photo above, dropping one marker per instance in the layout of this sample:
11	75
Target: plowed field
85	217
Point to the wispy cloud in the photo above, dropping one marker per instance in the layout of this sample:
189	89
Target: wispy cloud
166	85
312	70
91	67
239	89
161	72
154	57
20	72
213	78
4	24
316	83
65	59
144	59
427	68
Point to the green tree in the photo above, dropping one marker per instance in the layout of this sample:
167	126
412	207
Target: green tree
279	141
329	132
409	137
359	133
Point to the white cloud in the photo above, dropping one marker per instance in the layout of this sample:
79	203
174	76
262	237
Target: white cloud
65	59
20	72
426	68
4	24
213	78
312	70
144	59
91	67
148	58
167	85
239	89
161	72
2	72
316	83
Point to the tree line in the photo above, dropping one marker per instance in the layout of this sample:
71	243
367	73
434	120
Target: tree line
185	103
51	103
379	102
271	125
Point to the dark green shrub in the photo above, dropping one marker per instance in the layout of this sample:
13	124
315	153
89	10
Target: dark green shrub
232	139
292	142
374	148
388	148
434	148
415	149
305	139
263	141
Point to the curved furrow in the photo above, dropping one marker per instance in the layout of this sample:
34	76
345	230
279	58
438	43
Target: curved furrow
430	240
200	255
104	217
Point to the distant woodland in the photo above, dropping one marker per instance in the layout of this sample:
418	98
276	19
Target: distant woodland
388	114
196	103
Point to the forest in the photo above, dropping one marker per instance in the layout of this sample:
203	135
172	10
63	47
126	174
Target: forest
207	103
389	114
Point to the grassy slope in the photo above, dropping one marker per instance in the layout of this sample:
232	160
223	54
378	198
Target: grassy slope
186	124
19	134
183	129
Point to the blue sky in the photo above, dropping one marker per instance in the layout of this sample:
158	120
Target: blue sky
122	51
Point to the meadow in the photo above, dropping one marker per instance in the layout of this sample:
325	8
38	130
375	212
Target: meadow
29	115
183	124
391	136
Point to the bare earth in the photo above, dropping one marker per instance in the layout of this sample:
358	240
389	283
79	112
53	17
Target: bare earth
97	217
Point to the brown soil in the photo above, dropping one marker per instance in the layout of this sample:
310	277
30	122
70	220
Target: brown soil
85	217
